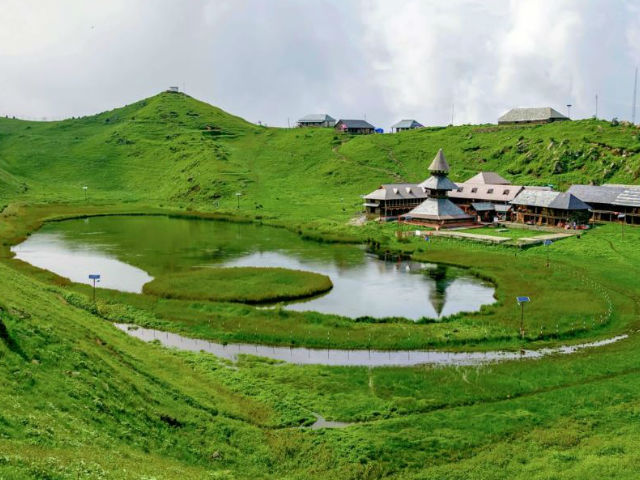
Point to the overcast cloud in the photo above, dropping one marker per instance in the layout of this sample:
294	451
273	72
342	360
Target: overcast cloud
274	60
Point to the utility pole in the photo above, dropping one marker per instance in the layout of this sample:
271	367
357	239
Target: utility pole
635	91
596	106
452	110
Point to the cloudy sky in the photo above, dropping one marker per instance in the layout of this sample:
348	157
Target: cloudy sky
274	60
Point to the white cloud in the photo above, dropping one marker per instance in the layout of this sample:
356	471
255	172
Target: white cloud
275	60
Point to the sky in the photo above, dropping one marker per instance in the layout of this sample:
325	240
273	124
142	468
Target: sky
273	61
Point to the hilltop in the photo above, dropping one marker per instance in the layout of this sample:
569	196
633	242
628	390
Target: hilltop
174	148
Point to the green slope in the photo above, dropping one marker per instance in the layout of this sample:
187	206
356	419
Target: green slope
171	147
80	399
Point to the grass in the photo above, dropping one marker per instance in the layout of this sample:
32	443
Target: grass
239	284
81	399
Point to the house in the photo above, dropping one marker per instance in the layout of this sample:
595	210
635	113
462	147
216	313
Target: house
317	120
392	200
437	210
608	202
531	115
357	127
487	195
545	207
403	125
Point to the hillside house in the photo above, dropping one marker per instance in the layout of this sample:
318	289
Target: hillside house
392	200
608	202
544	207
317	120
403	125
531	115
437	210
354	127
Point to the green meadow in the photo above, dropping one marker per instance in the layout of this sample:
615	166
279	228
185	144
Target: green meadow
82	399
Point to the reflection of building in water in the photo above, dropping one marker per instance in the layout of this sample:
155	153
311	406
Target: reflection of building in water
438	294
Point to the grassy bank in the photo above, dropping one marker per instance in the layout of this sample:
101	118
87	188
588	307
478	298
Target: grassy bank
239	284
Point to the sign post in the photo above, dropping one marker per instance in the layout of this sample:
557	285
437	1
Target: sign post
238	195
521	301
547	244
85	192
622	217
96	278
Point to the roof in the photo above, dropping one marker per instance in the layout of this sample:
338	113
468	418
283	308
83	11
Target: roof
488	192
354	123
397	191
595	194
488	178
438	182
531	115
483	206
549	199
611	194
439	164
317	118
407	123
438	209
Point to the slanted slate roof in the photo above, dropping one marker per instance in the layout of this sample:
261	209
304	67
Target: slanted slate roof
355	123
409	123
531	115
438	209
488	192
317	118
483	206
439	164
438	182
549	199
397	191
614	195
491	178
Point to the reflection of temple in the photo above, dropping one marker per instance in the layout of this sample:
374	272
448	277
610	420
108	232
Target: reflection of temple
438	295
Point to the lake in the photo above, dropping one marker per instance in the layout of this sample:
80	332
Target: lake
129	251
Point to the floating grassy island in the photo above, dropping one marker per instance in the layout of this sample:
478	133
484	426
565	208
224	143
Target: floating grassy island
240	284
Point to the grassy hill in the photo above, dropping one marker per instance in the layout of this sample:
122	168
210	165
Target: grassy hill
81	399
171	147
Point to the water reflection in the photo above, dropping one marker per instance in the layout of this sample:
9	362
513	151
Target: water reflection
128	251
354	358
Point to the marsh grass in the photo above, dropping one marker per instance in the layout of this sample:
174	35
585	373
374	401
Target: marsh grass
251	285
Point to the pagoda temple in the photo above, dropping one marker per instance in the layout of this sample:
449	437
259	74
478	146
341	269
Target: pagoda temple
437	210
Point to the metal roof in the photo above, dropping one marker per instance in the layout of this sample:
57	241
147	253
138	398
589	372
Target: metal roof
549	199
531	115
438	209
408	123
354	123
491	178
630	197
397	191
439	163
317	118
438	182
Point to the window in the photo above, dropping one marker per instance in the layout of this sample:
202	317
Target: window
490	190
460	189
474	190
506	192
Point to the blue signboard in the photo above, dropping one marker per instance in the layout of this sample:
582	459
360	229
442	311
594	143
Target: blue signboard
523	299
94	276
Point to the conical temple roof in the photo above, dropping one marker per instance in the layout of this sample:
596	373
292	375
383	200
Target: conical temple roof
439	164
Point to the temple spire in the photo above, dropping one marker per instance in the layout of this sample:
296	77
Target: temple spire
439	164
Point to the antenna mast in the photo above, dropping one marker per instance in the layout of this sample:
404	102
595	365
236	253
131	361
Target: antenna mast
635	90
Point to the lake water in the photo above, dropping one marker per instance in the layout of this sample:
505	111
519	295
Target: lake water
128	251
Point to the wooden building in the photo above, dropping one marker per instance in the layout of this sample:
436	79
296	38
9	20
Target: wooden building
531	115
610	202
317	120
355	127
404	125
392	200
437	210
549	208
